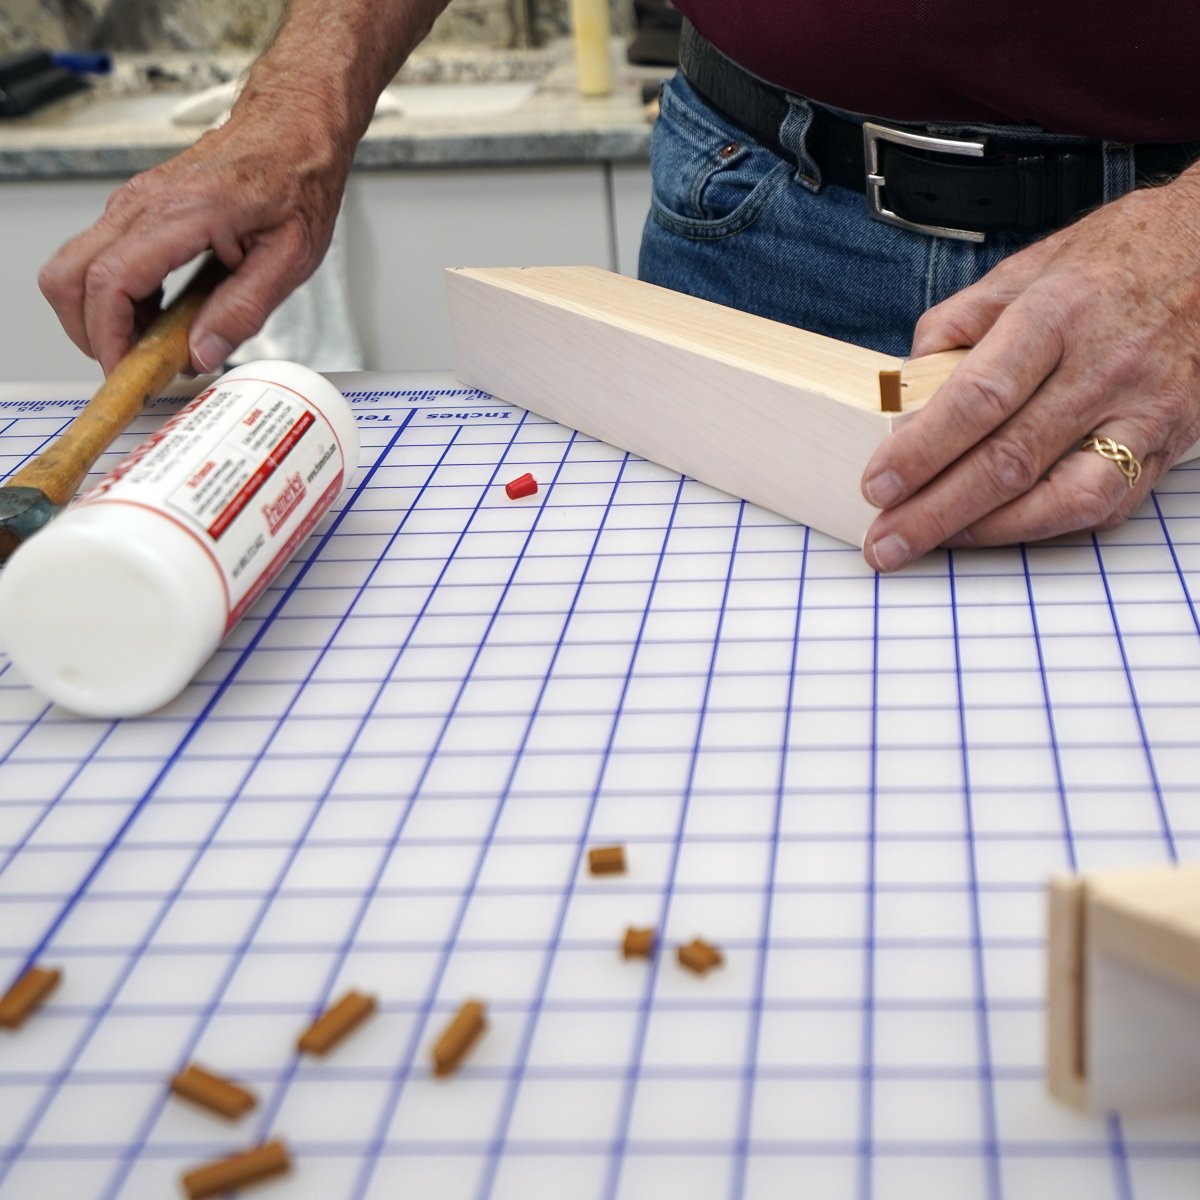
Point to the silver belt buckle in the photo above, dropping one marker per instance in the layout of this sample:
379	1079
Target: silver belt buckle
874	134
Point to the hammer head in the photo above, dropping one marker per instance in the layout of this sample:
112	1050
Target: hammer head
23	511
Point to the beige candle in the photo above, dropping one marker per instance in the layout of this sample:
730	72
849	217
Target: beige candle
593	60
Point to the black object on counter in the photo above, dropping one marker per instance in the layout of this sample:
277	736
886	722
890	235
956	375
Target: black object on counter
656	43
29	80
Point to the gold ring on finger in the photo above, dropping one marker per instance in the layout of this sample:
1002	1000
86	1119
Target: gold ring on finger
1125	459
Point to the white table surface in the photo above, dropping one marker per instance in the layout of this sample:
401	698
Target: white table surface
390	774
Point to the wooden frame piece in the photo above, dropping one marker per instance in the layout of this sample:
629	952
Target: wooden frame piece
1123	990
784	418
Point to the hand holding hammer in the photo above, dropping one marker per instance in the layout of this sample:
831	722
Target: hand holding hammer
43	487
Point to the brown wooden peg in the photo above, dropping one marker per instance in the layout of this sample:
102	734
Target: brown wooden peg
699	956
214	1092
638	943
336	1023
606	860
26	995
889	391
458	1037
225	1174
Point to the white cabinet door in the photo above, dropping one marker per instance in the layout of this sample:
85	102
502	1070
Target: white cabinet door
37	218
630	188
403	228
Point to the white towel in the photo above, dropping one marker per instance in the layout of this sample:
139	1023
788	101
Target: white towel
314	325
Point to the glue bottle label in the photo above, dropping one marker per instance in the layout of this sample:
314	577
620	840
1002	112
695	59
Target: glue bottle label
247	469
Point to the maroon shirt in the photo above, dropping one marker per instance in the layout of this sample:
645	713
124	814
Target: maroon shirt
1118	71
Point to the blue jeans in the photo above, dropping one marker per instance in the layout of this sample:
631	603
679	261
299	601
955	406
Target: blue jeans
733	222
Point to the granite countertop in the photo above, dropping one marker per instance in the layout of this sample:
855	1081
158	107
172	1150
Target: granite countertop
124	124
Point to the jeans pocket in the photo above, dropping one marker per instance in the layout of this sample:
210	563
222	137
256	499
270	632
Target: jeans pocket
710	179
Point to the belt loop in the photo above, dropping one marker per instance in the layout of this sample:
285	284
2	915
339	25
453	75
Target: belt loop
793	137
1120	174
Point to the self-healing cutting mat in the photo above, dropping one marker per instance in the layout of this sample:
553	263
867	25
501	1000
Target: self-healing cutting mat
389	778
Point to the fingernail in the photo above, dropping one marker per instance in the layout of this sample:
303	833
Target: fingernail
884	489
890	552
211	352
959	541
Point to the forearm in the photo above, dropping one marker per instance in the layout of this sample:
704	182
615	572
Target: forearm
330	59
1185	189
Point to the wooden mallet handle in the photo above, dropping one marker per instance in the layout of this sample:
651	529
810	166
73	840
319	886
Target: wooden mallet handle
147	367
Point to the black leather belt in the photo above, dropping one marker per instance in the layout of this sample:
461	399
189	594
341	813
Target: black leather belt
961	187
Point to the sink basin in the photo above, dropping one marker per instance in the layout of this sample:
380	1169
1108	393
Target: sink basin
416	101
150	108
435	101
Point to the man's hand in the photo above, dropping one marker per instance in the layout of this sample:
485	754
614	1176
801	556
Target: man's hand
263	191
1095	330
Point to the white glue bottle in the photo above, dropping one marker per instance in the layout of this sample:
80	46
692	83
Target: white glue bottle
113	607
